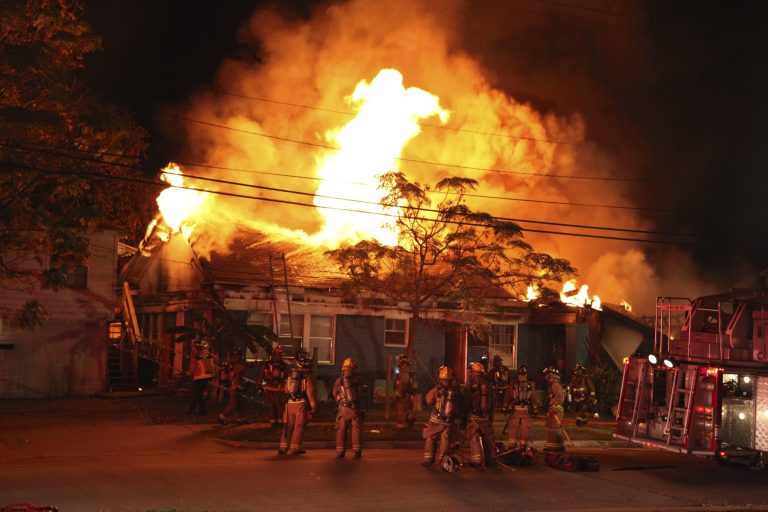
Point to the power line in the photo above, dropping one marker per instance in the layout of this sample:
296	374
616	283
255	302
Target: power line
417	161
327	180
441	127
349	210
360	201
352	114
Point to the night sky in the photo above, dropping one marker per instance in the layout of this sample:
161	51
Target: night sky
667	89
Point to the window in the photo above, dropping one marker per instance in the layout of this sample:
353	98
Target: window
395	332
291	329
115	332
260	318
502	343
321	338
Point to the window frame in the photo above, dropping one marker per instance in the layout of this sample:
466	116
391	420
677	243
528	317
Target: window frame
332	339
406	326
508	358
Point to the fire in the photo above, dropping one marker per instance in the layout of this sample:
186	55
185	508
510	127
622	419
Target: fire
626	305
532	293
387	119
177	206
573	295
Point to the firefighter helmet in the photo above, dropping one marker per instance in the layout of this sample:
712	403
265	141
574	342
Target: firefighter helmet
522	370
477	367
551	370
403	360
201	343
348	363
579	368
276	354
449	463
445	373
303	360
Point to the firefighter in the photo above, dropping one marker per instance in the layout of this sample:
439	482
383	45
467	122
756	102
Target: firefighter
273	375
348	393
582	389
202	370
405	387
520	402
236	366
302	404
479	430
444	400
554	420
499	377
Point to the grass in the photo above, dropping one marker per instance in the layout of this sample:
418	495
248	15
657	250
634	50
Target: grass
170	407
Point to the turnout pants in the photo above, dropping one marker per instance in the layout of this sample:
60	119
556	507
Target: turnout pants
403	410
555	435
518	425
234	404
276	402
347	419
197	396
481	442
432	431
295	419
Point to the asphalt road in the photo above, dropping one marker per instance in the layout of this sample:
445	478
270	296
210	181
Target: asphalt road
116	465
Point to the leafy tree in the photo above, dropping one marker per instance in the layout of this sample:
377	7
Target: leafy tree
52	131
449	253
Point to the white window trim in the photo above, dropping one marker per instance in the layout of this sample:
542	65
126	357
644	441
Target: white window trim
515	342
306	334
405	334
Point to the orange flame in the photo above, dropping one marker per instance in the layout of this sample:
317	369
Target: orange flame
532	293
370	144
626	305
177	205
573	295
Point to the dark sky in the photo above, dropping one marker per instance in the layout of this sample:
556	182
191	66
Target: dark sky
675	89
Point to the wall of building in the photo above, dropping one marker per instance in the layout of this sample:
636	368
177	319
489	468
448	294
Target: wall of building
362	338
67	355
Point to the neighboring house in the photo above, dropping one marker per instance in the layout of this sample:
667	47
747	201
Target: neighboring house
299	296
67	355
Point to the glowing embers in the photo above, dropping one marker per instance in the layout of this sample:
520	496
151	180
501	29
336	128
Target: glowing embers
578	296
370	144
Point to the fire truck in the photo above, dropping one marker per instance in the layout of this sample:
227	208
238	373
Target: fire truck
703	389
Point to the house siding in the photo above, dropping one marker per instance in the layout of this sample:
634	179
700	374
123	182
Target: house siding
362	338
66	356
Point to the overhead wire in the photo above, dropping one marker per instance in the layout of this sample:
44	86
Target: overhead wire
373	203
418	161
349	210
329	180
352	114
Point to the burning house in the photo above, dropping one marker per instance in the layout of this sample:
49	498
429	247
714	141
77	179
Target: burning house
297	292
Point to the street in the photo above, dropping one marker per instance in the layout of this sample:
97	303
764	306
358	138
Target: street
117	463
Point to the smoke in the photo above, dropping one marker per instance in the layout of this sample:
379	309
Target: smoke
509	93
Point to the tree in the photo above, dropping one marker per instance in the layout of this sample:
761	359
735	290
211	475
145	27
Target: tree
61	150
449	253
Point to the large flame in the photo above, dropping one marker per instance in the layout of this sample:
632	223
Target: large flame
574	295
532	293
370	144
266	121
178	206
